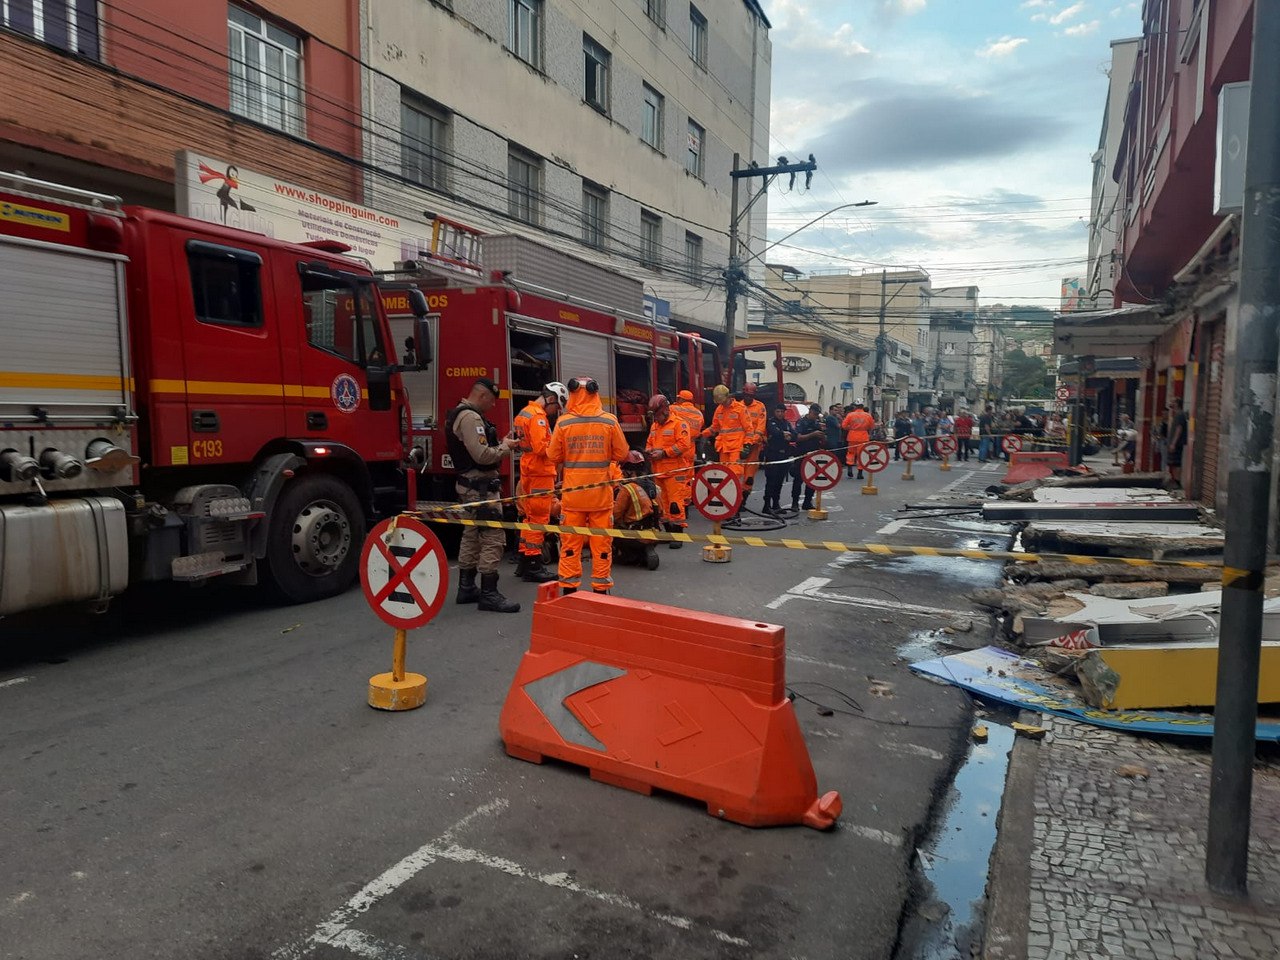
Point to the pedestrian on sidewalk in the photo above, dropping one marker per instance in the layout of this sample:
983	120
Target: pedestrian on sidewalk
986	433
964	434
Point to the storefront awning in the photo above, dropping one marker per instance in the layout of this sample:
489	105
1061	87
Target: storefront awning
1124	332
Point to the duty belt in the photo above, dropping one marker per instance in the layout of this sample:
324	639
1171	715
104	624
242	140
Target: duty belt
482	484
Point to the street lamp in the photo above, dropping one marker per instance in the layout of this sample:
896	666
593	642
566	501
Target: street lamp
843	206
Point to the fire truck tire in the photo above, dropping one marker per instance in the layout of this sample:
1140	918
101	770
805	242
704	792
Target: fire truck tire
317	529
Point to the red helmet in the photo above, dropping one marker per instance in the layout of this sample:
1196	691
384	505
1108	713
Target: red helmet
749	388
657	402
634	457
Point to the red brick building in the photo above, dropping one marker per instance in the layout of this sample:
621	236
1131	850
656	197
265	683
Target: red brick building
101	95
1174	292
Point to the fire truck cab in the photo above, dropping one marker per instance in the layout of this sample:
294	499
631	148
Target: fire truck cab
181	400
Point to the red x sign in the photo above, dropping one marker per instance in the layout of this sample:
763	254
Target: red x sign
1011	443
820	470
873	457
403	572
911	448
945	445
717	492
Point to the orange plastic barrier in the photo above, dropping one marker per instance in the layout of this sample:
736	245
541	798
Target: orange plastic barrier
644	695
1034	466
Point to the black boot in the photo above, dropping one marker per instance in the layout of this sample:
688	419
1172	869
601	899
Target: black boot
491	599
531	570
859	477
674	544
468	592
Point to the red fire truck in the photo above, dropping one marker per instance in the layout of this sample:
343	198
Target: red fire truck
522	335
180	400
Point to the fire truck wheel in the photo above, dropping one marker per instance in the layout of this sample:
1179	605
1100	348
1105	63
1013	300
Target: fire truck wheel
313	550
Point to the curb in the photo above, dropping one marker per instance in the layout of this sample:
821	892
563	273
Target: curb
1009	874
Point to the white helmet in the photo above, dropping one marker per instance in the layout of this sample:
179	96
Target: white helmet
559	390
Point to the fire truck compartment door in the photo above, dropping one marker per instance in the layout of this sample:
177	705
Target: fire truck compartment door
63	330
587	355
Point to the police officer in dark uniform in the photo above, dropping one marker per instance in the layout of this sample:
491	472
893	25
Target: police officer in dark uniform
779	444
811	433
477	452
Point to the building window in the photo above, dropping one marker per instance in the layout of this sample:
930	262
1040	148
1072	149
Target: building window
949	348
656	10
224	284
693	153
693	256
524	186
697	36
70	25
650	239
524	30
651	123
793	393
266	72
595	216
424	141
596	59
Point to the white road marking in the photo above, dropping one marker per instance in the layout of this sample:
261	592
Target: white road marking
809	590
801	658
335	930
893	526
798	590
872	833
14	682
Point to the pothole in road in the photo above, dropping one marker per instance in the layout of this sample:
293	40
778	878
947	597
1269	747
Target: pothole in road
953	864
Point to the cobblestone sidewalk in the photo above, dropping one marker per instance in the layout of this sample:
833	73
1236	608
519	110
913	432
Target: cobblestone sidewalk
1117	861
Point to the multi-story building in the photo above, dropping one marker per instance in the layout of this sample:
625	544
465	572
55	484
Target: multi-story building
1179	187
606	129
988	349
888	307
1106	216
953	313
103	96
820	364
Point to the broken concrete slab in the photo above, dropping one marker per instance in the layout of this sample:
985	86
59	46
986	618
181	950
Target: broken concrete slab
1133	511
1131	591
1095	495
1157	540
1030	571
1190	617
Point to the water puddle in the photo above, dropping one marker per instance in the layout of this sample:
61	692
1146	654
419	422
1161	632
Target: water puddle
948	924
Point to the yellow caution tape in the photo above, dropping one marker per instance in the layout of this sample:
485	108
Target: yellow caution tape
833	546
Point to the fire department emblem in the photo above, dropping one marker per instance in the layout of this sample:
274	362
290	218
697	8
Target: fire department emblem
345	392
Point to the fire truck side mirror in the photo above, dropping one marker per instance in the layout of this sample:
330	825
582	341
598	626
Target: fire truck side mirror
422	342
418	302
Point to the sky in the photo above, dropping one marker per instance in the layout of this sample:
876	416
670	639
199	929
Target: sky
971	123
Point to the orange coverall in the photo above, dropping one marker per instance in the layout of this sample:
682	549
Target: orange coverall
756	422
857	428
729	424
669	444
687	411
586	443
537	474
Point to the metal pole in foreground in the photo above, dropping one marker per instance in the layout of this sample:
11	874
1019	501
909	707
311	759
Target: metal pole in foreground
1249	481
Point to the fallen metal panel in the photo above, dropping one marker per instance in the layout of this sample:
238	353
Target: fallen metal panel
1005	511
995	674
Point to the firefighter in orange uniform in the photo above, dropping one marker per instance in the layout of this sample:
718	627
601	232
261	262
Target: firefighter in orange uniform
669	444
857	428
586	443
537	477
729	428
757	420
689	412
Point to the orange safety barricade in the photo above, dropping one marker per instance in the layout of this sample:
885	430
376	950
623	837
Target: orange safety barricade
1034	466
649	696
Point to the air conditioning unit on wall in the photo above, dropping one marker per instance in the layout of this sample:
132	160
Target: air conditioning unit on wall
1233	143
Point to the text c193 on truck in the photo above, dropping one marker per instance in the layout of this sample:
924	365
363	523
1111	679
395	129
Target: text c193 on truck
182	401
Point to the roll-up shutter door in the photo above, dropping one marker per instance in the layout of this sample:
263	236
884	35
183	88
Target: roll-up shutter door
1210	429
587	355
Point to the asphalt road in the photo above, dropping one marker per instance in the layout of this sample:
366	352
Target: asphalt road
198	774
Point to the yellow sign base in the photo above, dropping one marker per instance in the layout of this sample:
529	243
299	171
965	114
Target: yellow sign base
870	489
818	514
717	553
388	693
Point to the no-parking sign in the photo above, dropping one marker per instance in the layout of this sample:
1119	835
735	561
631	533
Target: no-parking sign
403	572
820	470
717	492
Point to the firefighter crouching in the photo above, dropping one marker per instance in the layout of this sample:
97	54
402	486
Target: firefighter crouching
585	443
476	452
669	444
537	477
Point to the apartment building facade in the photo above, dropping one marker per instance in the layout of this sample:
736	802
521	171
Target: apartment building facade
1107	216
606	129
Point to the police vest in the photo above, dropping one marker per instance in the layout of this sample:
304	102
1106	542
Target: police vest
462	460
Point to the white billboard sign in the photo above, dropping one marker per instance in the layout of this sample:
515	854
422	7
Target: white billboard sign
219	191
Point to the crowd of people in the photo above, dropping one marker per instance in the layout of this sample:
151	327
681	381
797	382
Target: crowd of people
577	465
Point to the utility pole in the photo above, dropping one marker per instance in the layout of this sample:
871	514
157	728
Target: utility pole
734	273
1244	556
880	344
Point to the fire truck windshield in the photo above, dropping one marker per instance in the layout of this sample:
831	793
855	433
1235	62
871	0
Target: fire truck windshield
342	317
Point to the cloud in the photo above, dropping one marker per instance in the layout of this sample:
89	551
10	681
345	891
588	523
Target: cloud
797	27
1002	47
1062	16
1036	4
908	6
1082	29
923	127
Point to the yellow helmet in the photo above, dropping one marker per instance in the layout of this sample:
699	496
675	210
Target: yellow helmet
720	394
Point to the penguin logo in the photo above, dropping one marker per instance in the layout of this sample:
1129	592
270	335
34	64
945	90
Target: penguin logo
345	393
